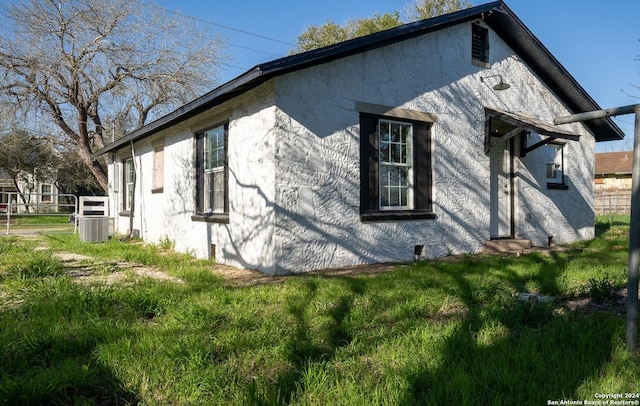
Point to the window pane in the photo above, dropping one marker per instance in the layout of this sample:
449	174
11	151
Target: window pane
128	196
46	193
218	191
394	144
208	191
129	170
214	191
394	186
553	162
396	153
214	148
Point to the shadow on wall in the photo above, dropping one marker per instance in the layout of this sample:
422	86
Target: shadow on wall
326	167
181	200
565	213
560	214
315	217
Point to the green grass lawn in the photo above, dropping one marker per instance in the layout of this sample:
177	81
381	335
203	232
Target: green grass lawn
445	332
21	221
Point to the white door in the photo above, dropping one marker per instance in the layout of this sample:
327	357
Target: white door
501	192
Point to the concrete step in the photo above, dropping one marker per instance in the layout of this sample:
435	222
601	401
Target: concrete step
506	245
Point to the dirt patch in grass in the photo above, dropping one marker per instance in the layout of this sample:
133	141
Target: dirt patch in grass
248	277
616	304
88	270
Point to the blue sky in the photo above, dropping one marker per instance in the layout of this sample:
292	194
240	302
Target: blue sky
597	41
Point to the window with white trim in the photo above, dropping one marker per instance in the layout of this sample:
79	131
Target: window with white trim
158	169
128	180
554	164
46	191
395	165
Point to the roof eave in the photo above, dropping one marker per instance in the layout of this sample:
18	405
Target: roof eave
496	14
268	70
222	93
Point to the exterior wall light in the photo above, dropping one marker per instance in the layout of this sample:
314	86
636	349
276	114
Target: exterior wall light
502	85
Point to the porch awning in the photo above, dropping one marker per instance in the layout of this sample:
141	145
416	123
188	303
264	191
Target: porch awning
502	125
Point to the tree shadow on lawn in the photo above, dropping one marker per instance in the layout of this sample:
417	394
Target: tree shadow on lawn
508	351
49	353
308	345
59	372
534	355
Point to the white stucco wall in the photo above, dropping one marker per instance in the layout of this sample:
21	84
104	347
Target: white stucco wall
317	165
247	240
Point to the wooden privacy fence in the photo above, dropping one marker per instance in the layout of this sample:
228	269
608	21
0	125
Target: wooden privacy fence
613	202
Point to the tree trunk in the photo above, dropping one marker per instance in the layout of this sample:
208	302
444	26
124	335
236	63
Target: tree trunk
96	168
21	194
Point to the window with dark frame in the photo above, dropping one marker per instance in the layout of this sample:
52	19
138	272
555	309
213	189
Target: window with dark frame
46	191
554	166
479	45
212	201
395	169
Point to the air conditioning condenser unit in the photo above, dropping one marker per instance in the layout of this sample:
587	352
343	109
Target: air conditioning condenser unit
93	228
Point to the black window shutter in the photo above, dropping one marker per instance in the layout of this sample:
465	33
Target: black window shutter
199	173
422	167
368	163
226	168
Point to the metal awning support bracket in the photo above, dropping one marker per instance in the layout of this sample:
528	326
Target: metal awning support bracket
495	141
545	141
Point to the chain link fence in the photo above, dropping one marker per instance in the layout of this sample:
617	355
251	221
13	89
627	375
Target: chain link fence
613	206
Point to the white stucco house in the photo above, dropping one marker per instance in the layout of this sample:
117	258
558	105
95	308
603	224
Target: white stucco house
403	143
33	194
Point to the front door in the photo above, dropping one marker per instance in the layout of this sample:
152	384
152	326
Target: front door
501	191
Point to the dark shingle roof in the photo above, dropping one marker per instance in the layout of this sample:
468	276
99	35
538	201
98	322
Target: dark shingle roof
496	14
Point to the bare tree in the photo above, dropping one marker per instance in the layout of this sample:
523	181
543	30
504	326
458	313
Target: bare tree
82	62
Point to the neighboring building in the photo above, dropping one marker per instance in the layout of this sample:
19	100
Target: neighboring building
613	170
6	187
40	196
613	182
405	143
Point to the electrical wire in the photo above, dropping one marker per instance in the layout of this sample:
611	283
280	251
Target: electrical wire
226	27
